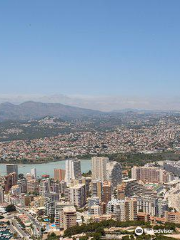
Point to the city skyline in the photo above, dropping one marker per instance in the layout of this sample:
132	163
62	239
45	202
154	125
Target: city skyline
89	120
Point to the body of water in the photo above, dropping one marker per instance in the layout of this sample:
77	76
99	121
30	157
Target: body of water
46	168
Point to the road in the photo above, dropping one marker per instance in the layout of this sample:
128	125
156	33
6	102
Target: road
19	230
36	225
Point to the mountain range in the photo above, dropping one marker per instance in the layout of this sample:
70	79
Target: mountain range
100	103
36	110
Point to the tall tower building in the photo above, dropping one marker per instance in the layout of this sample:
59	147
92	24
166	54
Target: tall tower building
96	189
22	183
117	208
10	180
124	210
69	217
1	195
107	192
33	173
131	209
99	168
33	186
59	174
73	170
44	187
77	195
59	213
11	168
114	173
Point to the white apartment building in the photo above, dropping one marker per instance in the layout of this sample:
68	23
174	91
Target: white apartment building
124	210
99	168
1	195
73	170
77	195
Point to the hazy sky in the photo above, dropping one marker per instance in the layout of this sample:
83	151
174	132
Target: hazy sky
95	47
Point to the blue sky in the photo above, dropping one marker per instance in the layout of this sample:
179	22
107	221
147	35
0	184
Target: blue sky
95	47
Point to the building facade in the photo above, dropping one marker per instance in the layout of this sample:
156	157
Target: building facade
99	168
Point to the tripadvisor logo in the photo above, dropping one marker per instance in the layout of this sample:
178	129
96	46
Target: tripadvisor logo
138	231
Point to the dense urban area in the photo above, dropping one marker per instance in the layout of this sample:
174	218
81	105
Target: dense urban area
132	190
51	139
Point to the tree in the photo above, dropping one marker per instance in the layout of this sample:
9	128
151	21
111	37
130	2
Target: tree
10	208
21	176
82	218
52	219
52	236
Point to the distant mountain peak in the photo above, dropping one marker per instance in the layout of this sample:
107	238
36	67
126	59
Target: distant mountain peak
37	110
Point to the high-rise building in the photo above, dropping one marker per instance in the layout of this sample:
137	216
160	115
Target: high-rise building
54	186
99	168
59	174
39	201
22	183
69	217
73	170
124	210
121	191
107	192
116	208
32	186
148	204
59	213
11	168
87	182
151	174
95	210
62	187
33	173
77	195
96	189
173	167
130	209
93	201
162	207
114	173
132	187
49	207
1	195
15	190
44	187
10	180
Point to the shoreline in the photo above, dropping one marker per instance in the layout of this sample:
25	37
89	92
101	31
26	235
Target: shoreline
46	168
44	162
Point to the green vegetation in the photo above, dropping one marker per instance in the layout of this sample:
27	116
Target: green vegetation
10	208
96	230
139	159
52	236
168	226
147	237
88	174
126	159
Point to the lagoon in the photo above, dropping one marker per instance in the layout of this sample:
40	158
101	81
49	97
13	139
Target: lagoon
46	168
